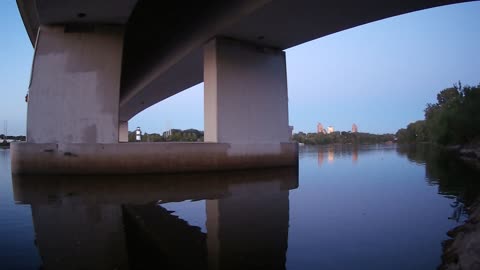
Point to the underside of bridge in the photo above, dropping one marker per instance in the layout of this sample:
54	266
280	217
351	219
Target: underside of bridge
99	63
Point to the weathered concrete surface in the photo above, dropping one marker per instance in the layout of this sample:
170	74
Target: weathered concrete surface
123	131
137	158
463	251
157	68
246	98
75	86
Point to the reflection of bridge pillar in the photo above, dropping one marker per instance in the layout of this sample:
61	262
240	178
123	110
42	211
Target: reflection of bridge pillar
123	131
72	235
249	230
245	93
75	85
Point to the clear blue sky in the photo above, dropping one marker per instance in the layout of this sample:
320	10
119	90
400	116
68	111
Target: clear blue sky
379	75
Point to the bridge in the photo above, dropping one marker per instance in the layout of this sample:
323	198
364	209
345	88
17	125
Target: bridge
99	63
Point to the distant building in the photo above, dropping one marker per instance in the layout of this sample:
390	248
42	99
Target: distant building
330	129
290	131
354	128
167	133
138	134
320	128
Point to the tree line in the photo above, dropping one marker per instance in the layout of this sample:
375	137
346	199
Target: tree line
342	137
15	138
453	120
175	135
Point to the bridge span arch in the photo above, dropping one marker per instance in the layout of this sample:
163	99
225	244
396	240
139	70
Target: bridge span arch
98	64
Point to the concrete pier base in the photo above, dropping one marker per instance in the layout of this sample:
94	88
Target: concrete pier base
143	158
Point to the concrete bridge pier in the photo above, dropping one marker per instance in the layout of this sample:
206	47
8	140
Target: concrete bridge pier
246	99
123	131
75	85
73	124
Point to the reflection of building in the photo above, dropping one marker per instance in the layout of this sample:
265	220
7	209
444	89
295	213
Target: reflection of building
331	154
330	129
119	222
354	128
355	154
320	157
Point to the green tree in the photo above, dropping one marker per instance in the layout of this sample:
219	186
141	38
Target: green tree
453	119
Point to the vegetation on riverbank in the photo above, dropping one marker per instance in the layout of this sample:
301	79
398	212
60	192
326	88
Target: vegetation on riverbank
341	138
14	138
5	140
176	135
453	120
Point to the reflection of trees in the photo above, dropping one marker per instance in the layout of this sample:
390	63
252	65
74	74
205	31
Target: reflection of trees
453	176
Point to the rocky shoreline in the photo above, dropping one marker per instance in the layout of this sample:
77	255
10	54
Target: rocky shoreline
469	153
462	252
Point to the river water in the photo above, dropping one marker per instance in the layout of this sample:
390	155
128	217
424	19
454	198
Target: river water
366	207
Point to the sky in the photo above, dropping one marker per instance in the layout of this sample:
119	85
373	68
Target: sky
379	76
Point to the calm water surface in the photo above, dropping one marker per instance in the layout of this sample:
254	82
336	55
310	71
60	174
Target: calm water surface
375	207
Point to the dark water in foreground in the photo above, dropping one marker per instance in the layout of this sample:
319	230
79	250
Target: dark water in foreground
377	207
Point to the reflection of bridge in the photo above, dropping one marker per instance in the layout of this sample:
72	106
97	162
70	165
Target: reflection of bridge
97	65
119	222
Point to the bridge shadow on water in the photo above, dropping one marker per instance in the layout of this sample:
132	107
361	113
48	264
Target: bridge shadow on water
119	222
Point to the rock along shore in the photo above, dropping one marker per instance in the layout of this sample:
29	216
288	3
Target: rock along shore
462	252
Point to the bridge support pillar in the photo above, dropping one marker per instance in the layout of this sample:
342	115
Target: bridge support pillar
75	85
73	111
123	131
246	97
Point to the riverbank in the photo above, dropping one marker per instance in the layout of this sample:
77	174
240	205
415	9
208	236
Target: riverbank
469	153
463	250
